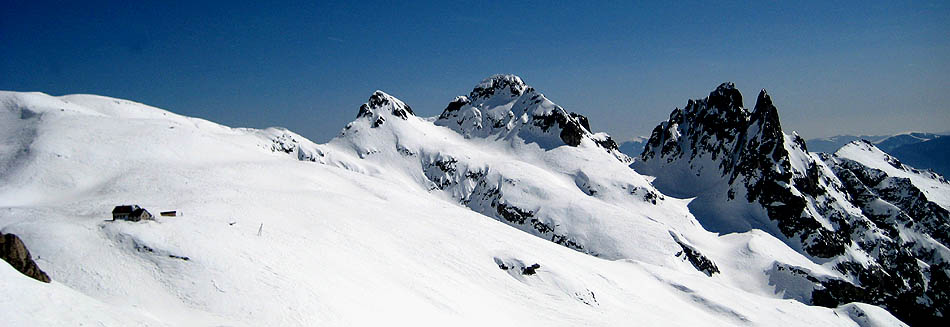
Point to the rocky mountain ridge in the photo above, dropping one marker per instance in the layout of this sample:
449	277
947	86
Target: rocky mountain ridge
514	212
758	162
503	106
739	156
738	162
516	121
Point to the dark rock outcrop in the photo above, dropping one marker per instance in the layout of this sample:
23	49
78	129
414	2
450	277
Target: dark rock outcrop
698	260
504	105
505	85
517	265
530	270
14	252
381	104
880	231
454	106
485	196
747	150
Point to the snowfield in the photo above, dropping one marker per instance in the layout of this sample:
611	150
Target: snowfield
277	230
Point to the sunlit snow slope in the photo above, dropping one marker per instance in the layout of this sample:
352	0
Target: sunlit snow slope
372	228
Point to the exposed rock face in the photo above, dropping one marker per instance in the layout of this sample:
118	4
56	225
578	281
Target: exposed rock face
285	141
521	147
504	105
881	233
530	270
891	202
717	139
482	191
502	85
698	260
518	265
380	101
14	252
914	256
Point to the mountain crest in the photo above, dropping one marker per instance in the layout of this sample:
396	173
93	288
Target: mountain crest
765	117
725	96
870	223
499	85
380	105
763	98
503	105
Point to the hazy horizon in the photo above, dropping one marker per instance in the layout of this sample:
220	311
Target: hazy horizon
832	69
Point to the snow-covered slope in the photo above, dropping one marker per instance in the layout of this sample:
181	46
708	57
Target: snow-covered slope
935	187
397	220
746	173
918	149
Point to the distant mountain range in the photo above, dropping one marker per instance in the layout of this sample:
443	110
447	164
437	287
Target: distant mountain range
918	149
887	143
633	147
932	154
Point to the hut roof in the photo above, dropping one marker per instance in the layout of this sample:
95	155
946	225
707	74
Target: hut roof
125	209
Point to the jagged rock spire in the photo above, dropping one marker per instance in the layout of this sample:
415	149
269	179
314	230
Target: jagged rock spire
765	116
726	95
871	228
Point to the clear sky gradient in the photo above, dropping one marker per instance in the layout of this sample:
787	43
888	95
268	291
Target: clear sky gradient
839	68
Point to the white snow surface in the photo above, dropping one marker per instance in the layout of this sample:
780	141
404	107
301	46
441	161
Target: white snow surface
934	186
280	231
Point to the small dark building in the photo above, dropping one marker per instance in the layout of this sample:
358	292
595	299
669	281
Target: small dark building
169	213
131	213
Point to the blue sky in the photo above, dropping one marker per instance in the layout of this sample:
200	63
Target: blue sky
842	68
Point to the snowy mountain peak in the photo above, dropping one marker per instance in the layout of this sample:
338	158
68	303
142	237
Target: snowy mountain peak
726	96
727	86
711	125
380	105
506	85
765	115
503	106
868	153
860	213
763	98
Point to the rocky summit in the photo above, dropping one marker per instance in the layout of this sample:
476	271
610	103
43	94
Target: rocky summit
885	236
503	105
